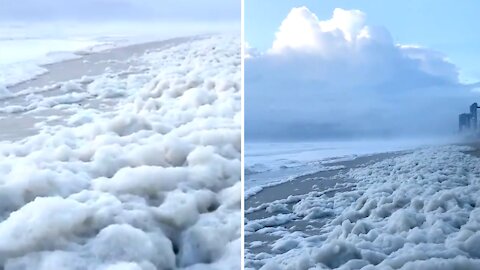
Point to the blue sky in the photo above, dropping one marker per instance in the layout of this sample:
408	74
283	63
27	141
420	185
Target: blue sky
450	27
102	10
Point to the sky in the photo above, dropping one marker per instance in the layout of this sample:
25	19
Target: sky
347	70
104	10
450	27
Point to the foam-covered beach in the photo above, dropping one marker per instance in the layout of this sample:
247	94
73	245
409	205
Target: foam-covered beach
135	165
407	210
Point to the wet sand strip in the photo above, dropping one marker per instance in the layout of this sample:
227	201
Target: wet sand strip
323	180
16	126
92	64
302	185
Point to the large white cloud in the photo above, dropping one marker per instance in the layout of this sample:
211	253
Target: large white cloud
302	30
343	77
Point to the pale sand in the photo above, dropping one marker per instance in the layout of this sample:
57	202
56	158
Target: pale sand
17	126
322	180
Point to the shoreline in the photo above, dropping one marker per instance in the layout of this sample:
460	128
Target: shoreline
277	190
350	161
274	217
79	66
321	182
119	61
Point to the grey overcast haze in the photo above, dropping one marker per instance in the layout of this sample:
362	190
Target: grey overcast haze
113	10
341	77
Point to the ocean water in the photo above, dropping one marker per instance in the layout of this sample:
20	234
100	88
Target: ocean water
24	52
25	48
271	163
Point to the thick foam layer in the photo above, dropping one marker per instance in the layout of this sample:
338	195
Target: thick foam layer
416	211
152	183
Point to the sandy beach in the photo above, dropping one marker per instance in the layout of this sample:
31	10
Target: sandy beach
322	179
126	159
332	181
392	204
95	63
23	120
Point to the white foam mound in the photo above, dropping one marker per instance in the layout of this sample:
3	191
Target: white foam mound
152	184
418	211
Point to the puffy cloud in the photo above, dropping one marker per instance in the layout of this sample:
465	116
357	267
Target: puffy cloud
302	30
249	51
342	77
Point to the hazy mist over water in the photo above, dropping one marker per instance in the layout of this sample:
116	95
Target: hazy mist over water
342	78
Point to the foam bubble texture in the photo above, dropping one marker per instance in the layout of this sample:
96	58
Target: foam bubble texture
152	184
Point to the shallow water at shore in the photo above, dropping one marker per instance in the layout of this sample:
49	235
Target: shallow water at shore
55	95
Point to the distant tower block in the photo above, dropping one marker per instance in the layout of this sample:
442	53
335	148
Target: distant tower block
473	114
464	121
